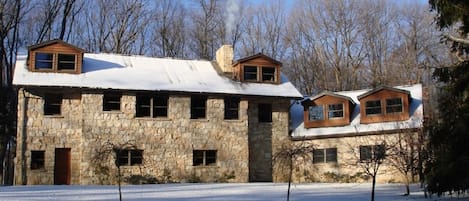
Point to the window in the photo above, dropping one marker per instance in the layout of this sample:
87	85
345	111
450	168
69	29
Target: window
66	62
231	108
372	152
128	157
336	110
394	105
268	74
316	113
250	73
37	160
151	105
111	102
373	107
43	61
328	155
265	112
52	104
198	107
204	157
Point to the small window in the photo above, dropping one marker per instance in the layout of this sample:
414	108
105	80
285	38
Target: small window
231	108
336	111
151	106
198	107
373	107
204	157
265	112
66	62
52	104
37	160
372	152
316	113
250	73
112	102
43	61
328	155
394	105
129	157
268	74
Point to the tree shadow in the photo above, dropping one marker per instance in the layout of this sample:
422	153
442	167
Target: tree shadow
90	65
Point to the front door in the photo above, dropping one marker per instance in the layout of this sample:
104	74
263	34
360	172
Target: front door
62	170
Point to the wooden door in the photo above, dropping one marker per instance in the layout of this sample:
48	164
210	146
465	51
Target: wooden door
62	171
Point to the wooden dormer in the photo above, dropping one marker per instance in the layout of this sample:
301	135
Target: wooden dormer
327	109
55	56
257	68
384	104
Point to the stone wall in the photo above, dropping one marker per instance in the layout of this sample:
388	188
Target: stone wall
167	143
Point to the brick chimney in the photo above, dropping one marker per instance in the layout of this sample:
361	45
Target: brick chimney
224	58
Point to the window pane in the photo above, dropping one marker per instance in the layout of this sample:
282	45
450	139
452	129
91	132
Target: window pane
111	102
268	74
210	157
142	106
231	107
331	155
379	152
37	160
122	157
52	104
316	113
250	73
197	157
365	153
373	107
136	157
66	62
336	111
198	104
43	61
160	106
393	105
318	155
265	113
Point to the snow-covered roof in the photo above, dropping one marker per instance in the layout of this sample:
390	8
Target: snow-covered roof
111	71
355	127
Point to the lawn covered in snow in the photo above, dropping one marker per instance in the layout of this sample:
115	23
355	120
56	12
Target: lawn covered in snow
233	192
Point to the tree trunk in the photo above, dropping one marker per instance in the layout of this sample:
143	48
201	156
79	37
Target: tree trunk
373	188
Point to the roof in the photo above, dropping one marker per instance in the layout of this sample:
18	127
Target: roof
111	71
329	93
50	42
258	55
355	127
382	88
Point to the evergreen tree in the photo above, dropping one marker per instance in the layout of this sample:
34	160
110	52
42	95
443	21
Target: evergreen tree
449	154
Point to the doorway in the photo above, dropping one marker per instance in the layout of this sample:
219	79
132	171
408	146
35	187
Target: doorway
62	171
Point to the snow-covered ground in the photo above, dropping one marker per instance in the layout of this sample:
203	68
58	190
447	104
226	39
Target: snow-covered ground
234	192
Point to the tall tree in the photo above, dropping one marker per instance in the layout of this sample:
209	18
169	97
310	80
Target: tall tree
448	136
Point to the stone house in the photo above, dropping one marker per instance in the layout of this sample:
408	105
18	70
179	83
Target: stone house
83	115
349	129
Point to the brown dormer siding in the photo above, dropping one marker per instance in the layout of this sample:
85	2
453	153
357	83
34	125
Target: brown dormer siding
385	115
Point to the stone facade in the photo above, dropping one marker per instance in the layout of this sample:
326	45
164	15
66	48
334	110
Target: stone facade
245	147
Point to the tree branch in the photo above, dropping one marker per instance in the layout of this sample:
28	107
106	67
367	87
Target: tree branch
456	39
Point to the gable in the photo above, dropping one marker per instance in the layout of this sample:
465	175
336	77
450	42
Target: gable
55	56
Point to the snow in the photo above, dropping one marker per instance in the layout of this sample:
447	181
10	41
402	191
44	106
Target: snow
228	192
111	71
415	120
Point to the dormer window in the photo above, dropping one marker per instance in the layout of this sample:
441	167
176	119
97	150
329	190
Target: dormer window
394	105
327	109
268	74
316	113
384	104
336	111
258	68
373	107
250	73
55	56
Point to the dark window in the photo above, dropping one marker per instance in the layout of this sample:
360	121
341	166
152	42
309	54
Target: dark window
268	74
204	157
316	113
52	104
198	107
265	112
128	157
66	62
328	155
37	160
231	108
373	107
43	61
372	152
250	73
393	105
336	110
111	102
151	106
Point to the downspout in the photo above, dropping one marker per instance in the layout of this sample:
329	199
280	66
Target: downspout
24	178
